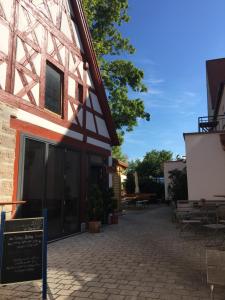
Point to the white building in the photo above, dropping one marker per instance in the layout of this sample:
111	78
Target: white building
205	148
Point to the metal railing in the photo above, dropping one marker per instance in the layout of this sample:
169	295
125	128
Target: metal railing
211	123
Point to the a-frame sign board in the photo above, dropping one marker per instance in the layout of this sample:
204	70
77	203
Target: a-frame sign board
23	250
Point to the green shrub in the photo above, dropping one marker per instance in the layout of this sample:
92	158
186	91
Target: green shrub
178	189
95	203
109	203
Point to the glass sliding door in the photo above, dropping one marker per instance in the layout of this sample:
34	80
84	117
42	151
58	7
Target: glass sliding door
51	179
97	171
54	189
33	179
71	191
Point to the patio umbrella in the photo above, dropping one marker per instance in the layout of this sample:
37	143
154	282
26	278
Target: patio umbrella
137	190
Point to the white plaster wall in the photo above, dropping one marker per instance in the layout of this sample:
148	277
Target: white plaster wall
90	121
71	87
7	8
37	64
70	113
80	116
98	143
22	23
38	121
169	166
18	86
35	92
89	79
65	26
4	48
81	69
4	37
88	102
205	166
77	37
102	129
3	70
95	103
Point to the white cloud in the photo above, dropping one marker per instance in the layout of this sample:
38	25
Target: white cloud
190	94
145	61
153	91
154	81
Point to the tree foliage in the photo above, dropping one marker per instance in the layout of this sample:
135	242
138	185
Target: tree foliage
117	151
152	164
119	76
149	171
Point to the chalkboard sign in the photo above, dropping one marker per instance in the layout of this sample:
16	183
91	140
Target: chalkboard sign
22	256
23	250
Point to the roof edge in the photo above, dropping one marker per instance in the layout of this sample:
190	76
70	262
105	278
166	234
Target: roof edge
90	53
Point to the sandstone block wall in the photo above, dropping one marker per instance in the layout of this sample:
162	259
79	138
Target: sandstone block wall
7	154
117	188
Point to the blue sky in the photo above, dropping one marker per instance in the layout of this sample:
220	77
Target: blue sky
173	39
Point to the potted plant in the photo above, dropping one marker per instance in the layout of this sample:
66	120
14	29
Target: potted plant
114	218
111	202
107	205
95	209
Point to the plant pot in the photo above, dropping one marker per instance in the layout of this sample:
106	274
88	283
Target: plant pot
109	222
114	219
94	226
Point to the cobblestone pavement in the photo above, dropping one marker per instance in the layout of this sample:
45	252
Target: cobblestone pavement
141	258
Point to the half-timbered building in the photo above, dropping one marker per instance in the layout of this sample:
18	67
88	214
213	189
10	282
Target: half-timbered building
56	129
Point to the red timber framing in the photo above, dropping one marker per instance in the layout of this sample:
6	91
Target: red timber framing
41	39
40	132
41	31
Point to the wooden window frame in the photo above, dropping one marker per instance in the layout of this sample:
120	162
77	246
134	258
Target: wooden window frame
62	79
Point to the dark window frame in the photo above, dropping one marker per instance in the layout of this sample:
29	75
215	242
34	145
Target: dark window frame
61	73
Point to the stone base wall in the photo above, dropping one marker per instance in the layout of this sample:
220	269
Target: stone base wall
117	188
7	154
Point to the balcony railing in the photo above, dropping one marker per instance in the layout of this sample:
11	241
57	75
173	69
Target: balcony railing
211	123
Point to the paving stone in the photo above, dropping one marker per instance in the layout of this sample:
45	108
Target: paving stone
116	297
99	296
143	257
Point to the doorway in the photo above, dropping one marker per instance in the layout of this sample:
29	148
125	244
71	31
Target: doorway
51	179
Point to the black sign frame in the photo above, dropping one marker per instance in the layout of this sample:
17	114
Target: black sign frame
23	250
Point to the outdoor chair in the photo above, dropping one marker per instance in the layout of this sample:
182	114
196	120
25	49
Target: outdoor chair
215	225
186	225
193	219
220	214
182	210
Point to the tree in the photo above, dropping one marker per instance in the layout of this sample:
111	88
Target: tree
152	164
119	76
149	170
133	165
117	150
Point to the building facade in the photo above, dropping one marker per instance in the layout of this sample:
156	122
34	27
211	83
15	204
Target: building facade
119	177
205	154
56	129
